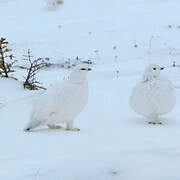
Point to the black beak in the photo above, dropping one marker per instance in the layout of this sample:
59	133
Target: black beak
162	68
83	69
27	130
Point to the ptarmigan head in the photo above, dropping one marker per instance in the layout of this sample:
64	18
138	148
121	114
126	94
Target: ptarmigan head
78	75
152	72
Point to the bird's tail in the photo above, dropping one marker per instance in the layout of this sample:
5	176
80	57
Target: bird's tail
32	125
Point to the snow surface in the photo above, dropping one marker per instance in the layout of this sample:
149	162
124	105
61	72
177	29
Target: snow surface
114	142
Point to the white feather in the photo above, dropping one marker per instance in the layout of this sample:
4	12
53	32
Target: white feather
62	103
154	95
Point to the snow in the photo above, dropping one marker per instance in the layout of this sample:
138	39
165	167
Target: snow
114	142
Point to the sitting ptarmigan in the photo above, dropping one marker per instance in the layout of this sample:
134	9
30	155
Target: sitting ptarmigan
153	96
62	103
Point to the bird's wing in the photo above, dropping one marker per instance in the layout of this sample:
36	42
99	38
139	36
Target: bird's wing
162	95
66	94
168	86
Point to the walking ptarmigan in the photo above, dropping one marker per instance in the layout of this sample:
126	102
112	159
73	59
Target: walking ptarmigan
62	103
153	96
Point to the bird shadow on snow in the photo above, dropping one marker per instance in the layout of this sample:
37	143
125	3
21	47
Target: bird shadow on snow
170	121
46	129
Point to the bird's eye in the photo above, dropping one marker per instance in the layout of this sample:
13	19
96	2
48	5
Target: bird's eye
154	68
83	69
162	68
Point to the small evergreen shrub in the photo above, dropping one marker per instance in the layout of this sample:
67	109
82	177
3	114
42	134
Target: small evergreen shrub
5	55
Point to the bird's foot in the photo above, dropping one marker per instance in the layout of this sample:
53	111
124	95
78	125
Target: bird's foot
155	123
73	129
54	126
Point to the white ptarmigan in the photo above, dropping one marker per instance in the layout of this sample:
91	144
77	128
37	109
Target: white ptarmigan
153	96
62	103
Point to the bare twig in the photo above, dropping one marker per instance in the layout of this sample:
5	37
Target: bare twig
34	67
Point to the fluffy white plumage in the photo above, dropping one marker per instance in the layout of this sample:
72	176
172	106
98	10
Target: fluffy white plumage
153	96
61	104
